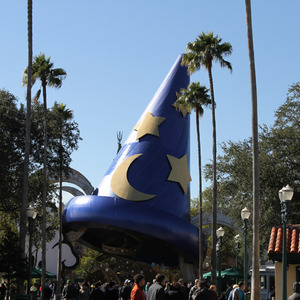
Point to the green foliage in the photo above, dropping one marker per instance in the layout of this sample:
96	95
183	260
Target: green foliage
87	263
206	49
279	162
9	247
194	207
65	136
11	151
12	124
193	98
42	68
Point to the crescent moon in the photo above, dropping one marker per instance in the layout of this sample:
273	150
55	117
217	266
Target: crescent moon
121	186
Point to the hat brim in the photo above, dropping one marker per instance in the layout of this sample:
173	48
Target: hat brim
110	221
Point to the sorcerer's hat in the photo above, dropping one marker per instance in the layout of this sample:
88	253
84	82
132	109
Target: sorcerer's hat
141	206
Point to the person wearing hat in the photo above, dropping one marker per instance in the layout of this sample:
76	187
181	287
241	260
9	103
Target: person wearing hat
126	290
137	292
296	290
69	292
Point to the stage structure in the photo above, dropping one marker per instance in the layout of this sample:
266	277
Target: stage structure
140	209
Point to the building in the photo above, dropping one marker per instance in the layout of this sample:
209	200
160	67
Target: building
293	256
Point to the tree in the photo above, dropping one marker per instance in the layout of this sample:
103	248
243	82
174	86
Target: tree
27	142
202	52
87	264
10	257
67	136
255	286
63	137
195	97
42	69
11	152
279	162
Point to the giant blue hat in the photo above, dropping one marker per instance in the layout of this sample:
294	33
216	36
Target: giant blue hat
140	209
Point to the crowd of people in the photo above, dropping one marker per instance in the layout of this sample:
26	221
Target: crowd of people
136	289
139	289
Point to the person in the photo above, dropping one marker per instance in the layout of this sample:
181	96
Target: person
213	288
126	290
231	292
137	292
156	290
2	291
184	289
228	290
202	292
238	293
69	291
272	293
175	291
97	293
296	290
47	291
84	291
147	286
193	289
111	291
34	291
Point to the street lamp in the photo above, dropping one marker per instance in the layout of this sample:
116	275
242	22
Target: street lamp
237	240
220	234
245	214
285	196
31	215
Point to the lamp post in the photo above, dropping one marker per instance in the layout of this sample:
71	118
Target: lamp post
245	214
285	196
220	234
31	215
237	240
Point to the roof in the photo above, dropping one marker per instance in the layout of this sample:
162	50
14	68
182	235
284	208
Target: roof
292	243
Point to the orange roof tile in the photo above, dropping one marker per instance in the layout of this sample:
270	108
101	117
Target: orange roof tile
292	242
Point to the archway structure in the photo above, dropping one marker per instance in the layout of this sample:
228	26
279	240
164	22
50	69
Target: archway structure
77	179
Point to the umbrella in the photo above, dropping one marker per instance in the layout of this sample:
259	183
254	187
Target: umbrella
48	274
232	273
207	275
24	273
228	273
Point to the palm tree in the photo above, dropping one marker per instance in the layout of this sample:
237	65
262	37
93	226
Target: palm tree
23	218
42	69
206	49
255	286
194	98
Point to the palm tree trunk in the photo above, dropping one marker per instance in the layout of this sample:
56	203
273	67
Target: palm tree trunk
45	182
200	198
214	190
23	217
58	287
255	285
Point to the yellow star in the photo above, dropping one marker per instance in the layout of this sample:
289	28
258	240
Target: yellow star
148	126
184	110
180	171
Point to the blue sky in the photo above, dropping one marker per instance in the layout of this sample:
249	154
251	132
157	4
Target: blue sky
117	53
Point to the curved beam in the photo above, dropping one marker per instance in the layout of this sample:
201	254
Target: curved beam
221	220
73	191
78	179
